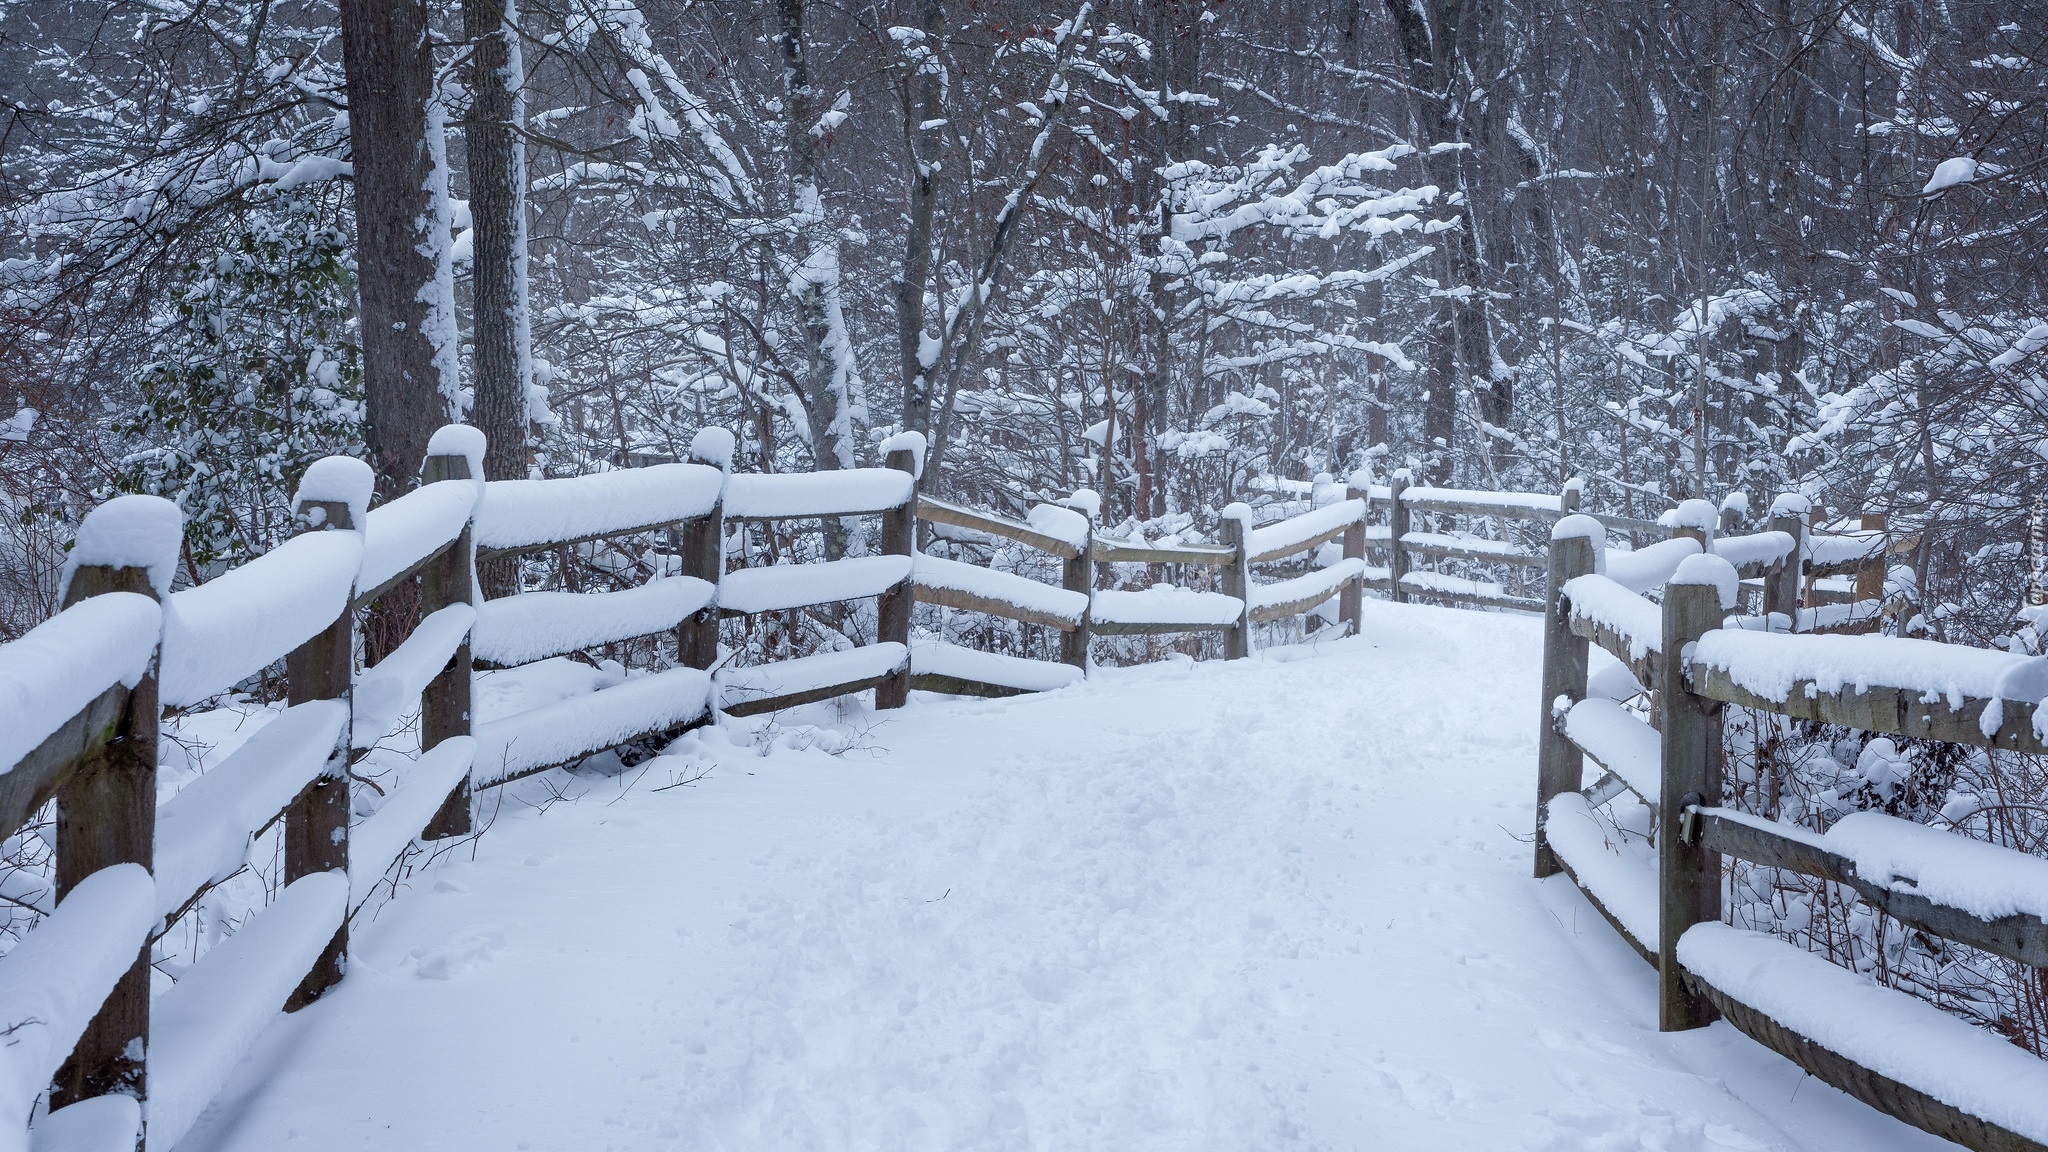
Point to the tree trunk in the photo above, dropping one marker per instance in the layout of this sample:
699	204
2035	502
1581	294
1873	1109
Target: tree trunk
923	144
1436	43
401	243
826	375
502	362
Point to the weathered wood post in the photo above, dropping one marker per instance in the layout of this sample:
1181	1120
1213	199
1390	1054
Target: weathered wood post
899	538
1781	584
1815	517
454	453
1689	876
1077	574
1397	527
316	823
703	553
1734	510
1351	601
106	810
1235	530
1575	546
1870	577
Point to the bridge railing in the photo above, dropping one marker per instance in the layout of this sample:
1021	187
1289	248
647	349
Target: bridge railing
1894	1052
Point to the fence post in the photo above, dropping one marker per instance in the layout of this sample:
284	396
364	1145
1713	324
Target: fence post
1870	577
450	578
1397	527
1351	601
1575	545
892	614
1781	585
1236	530
1078	575
1689	876
316	823
703	553
106	811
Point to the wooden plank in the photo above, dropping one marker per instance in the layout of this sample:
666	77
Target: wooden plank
1781	584
106	815
316	825
38	777
1880	1092
1237	582
1892	711
1077	574
1110	550
1606	788
702	551
1464	552
668	733
1688	875
1612	920
1351	606
447	577
961	516
1299	604
1397	527
971	602
551	545
366	598
1560	766
955	686
2017	937
809	696
1644	668
1313	542
1154	628
1763	846
1632	524
1478	508
1482	599
893	610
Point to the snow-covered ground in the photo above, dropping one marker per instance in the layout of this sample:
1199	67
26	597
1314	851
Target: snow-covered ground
1281	903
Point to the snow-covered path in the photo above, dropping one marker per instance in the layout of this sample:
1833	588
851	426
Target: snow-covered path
1282	903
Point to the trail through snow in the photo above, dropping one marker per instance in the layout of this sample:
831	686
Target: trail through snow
1279	903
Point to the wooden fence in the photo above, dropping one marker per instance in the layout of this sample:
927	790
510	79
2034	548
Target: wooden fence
1694	657
82	696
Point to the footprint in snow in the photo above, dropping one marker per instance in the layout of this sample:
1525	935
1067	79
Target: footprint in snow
459	954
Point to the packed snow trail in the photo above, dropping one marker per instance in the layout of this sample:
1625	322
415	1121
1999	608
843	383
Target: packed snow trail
1277	903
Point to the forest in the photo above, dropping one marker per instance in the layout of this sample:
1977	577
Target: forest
1169	251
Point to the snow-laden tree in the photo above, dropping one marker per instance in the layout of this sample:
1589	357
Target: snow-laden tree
257	373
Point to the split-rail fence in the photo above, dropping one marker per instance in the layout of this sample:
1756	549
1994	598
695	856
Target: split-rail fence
82	698
1693	654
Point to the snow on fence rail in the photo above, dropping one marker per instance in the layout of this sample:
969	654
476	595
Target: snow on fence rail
1892	1051
80	695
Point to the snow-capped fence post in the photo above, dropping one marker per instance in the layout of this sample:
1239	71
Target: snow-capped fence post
106	809
1575	545
703	554
316	823
1397	527
892	610
1781	584
1077	574
1689	876
450	578
1235	530
1351	601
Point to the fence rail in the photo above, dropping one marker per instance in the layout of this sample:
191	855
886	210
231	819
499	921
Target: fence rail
1895	1053
81	696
